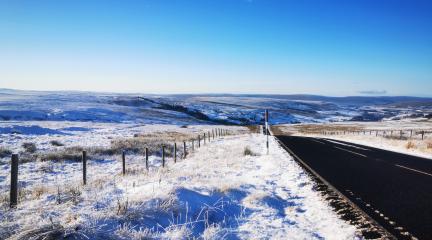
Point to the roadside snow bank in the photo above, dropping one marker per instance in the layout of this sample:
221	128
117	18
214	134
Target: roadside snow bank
220	191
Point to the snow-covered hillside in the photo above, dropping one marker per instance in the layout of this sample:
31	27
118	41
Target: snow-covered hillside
202	109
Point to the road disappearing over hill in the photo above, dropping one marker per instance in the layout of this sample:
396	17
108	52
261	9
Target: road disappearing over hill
393	188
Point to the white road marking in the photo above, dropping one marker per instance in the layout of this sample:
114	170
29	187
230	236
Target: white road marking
345	144
351	151
317	141
414	170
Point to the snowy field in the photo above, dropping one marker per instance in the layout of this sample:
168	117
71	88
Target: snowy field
228	189
408	144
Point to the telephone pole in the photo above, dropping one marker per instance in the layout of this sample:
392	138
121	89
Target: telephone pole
267	128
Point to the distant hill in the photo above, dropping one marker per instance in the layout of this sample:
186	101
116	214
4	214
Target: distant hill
243	109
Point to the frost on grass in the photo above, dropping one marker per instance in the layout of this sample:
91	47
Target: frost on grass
248	152
29	147
56	143
217	192
4	152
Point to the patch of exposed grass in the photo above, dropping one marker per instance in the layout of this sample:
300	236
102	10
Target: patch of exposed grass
396	137
60	156
56	143
319	128
4	152
280	130
135	145
410	145
429	145
29	147
38	191
253	128
248	152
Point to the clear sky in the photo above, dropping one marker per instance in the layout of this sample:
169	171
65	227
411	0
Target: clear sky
218	46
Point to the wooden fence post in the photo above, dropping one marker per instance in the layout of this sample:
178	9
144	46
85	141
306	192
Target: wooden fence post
123	162
146	159
14	181
163	156
199	141
84	162
401	134
193	145
422	133
376	133
209	136
204	138
411	133
175	152
184	149
213	134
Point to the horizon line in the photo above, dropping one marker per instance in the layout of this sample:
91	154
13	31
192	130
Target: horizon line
221	93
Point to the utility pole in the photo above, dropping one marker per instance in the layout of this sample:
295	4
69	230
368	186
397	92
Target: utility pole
267	128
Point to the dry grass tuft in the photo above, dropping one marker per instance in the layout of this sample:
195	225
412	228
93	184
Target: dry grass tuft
38	191
66	154
29	147
56	143
248	152
4	152
410	145
122	206
429	145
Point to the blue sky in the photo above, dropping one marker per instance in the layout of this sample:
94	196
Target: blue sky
218	46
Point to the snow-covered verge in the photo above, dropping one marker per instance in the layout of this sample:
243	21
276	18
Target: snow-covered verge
227	189
364	133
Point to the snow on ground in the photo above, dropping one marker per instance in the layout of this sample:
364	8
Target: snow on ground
83	133
391	141
217	192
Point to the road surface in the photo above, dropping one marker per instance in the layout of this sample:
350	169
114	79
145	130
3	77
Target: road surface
394	189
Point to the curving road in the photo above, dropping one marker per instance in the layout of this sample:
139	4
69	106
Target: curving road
394	189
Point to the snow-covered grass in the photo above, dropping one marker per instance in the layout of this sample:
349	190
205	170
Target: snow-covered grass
227	189
392	141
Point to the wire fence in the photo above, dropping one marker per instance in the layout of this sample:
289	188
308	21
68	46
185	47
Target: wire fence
174	150
389	133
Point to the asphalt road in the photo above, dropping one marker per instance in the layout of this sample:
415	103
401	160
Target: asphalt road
394	189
